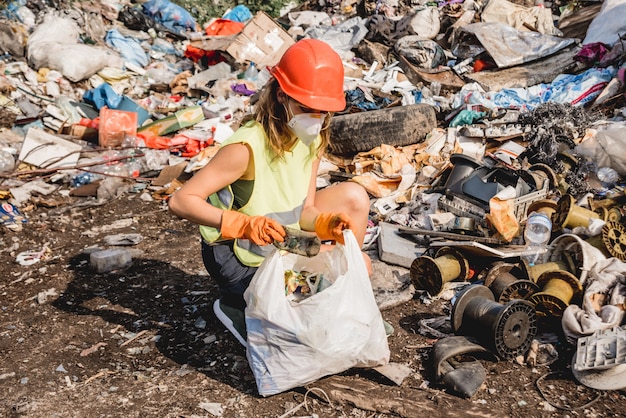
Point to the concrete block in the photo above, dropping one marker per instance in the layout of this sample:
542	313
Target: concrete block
395	249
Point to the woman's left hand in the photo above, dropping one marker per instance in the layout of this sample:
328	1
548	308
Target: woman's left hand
330	226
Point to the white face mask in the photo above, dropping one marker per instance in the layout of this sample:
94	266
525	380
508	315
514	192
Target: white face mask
307	126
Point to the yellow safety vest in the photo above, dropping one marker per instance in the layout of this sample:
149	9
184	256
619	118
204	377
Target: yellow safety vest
279	190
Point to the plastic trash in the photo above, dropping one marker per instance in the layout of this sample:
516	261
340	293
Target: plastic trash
7	161
251	72
536	236
239	13
607	176
83	178
27	258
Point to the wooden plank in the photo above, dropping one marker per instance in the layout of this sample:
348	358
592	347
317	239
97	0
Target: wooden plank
402	401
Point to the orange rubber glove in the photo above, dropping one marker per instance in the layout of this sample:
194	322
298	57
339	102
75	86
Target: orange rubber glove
260	230
330	226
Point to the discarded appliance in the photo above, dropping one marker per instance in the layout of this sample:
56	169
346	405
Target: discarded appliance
470	185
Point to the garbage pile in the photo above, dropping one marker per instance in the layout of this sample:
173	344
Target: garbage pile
465	120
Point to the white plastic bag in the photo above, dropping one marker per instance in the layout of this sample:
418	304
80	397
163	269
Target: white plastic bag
54	44
600	144
608	24
291	344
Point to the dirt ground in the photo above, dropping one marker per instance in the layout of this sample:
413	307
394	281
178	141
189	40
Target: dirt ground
143	341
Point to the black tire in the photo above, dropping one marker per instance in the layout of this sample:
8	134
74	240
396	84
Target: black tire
396	126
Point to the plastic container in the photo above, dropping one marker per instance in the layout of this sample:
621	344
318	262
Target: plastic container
251	72
128	105
114	126
83	178
112	259
262	77
536	236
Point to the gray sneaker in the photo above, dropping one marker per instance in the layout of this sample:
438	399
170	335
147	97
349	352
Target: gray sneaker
233	319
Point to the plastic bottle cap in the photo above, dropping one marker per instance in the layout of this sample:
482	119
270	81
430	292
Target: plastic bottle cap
537	218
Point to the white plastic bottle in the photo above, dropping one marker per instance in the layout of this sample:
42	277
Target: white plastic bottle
536	237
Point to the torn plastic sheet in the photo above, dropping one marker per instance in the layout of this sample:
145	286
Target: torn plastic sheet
609	23
599	143
575	89
342	37
520	17
129	48
423	53
508	46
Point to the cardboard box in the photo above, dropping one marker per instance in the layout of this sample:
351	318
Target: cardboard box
262	41
45	150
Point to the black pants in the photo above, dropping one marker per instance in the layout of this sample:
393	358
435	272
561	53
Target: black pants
231	276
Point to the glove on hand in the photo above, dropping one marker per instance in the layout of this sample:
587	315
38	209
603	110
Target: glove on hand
260	230
330	226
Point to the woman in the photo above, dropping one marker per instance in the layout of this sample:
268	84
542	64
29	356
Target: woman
264	177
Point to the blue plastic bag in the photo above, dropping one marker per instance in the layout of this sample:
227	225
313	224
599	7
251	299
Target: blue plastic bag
170	15
129	48
239	13
101	96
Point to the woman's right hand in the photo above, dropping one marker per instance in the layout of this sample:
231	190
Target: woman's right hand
261	230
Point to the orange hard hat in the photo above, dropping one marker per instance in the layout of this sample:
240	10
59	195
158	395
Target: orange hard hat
311	72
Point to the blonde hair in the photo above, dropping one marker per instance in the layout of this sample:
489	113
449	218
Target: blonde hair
272	116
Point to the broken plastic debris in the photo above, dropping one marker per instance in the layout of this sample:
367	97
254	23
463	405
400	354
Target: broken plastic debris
209	339
7	375
395	372
27	258
200	323
212	408
42	297
602	350
599	361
